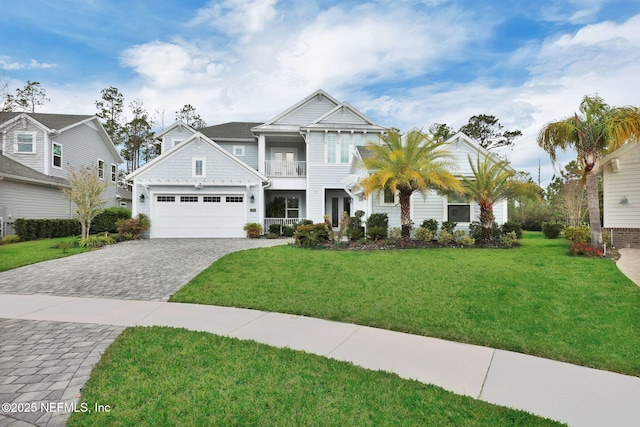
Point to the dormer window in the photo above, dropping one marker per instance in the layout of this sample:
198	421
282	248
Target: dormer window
25	142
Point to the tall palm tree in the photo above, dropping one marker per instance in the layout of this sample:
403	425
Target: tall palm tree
408	164
600	129
492	182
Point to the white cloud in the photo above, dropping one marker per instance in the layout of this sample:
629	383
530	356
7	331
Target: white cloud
237	16
7	63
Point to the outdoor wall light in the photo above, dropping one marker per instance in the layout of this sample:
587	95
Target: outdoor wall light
142	198
624	200
252	198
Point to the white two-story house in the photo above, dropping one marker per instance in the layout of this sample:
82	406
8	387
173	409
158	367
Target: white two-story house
299	165
36	151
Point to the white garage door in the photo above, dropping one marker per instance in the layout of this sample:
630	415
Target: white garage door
211	215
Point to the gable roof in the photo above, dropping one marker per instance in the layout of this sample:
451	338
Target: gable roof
240	131
16	171
177	124
186	143
344	116
279	122
56	123
629	146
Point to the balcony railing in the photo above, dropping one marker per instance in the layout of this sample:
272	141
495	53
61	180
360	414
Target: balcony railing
285	169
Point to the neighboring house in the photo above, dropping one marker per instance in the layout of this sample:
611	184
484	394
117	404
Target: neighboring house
36	151
430	205
621	204
299	165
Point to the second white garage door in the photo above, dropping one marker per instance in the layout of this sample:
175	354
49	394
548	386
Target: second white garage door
215	215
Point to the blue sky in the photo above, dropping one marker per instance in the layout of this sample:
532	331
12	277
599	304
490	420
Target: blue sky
404	63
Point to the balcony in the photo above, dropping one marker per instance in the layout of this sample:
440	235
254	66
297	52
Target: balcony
285	169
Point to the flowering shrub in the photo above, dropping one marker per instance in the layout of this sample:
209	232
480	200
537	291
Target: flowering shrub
584	249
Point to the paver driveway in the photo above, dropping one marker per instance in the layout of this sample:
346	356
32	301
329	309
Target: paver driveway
150	270
49	362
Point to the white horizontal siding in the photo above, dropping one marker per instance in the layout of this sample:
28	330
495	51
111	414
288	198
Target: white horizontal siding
308	112
624	183
21	200
33	160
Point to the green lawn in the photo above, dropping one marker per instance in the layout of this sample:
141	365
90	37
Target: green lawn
15	255
533	299
164	376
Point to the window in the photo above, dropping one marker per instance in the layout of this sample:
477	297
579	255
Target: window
199	168
57	155
114	173
345	149
458	209
238	150
175	141
100	169
332	140
25	142
166	198
357	139
211	199
388	197
234	199
293	207
189	199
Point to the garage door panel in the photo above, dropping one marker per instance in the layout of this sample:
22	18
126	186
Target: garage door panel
214	218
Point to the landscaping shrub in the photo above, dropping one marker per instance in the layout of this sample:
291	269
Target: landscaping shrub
475	229
580	234
96	241
445	238
309	235
253	229
430	224
132	228
288	231
106	220
377	226
510	226
31	229
424	234
552	230
467	241
10	238
584	249
509	239
395	233
355	230
275	229
448	226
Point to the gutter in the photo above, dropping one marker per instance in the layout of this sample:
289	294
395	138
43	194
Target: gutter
32	180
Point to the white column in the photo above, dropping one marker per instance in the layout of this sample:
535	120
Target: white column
261	153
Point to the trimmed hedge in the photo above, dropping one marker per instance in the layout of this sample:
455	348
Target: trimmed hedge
106	220
32	229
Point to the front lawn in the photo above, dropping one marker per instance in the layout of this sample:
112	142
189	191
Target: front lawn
15	255
169	377
533	299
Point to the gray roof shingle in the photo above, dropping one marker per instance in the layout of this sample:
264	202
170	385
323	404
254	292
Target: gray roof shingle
10	169
51	121
231	130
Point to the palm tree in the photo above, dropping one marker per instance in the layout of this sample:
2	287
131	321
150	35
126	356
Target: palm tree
408	164
599	130
492	182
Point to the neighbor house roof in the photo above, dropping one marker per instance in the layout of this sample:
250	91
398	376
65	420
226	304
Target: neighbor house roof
230	131
15	171
51	121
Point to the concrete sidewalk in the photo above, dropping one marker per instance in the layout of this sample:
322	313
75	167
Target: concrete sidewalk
575	395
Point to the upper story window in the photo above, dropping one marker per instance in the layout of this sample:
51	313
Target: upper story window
332	142
199	168
357	139
238	150
100	169
176	141
56	153
458	209
338	146
25	142
114	173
